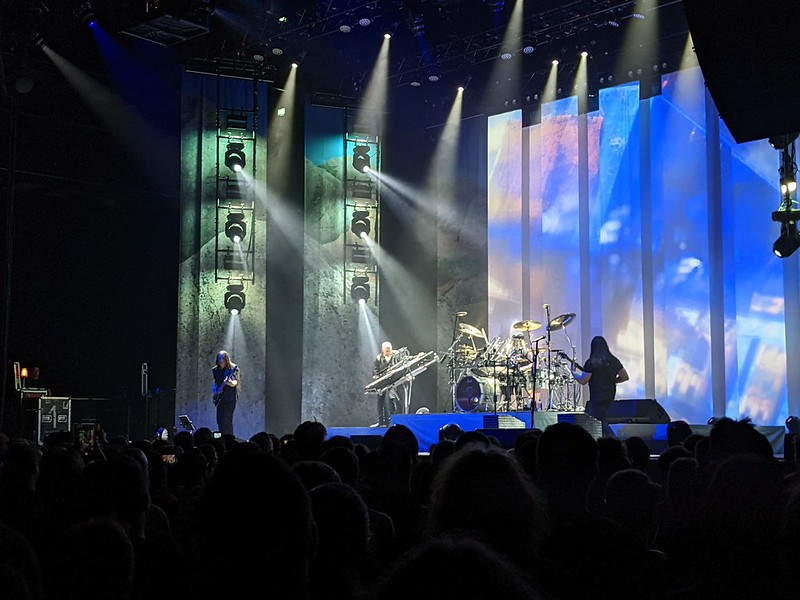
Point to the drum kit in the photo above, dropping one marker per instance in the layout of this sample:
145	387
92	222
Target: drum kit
514	373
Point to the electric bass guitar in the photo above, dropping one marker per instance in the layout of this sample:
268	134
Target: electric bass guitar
217	395
572	362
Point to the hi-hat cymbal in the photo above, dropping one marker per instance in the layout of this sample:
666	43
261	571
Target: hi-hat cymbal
470	330
527	325
561	321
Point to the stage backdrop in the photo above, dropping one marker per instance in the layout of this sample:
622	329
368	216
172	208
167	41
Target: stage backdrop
340	337
204	324
650	223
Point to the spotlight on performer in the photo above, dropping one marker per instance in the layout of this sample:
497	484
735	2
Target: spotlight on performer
235	158
361	158
235	298
359	289
360	224
235	227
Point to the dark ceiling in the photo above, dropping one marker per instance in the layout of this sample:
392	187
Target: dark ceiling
337	41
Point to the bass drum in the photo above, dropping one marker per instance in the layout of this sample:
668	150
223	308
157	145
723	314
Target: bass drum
476	394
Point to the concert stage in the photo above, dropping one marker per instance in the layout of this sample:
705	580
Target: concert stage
426	428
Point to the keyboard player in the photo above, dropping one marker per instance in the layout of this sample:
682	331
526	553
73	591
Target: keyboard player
387	401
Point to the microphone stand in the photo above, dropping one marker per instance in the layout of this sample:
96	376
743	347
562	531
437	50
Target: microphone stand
535	370
549	359
451	367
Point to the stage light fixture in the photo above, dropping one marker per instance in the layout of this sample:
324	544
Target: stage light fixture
387	36
37	39
235	227
793	424
361	189
360	224
359	289
787	215
277	51
295	65
259	54
555	62
234	261
361	158
345	27
528	48
235	158
364	21
788	242
85	14
584	54
460	89
506	55
235	298
236	121
360	255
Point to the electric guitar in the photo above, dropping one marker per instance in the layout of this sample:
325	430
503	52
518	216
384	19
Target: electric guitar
217	395
570	360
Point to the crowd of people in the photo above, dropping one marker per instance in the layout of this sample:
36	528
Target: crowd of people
559	516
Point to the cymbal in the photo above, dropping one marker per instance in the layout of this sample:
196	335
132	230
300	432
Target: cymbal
561	321
527	325
466	349
470	330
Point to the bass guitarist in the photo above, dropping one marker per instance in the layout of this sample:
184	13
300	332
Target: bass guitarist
225	391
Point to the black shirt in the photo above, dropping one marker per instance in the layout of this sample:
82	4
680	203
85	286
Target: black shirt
602	385
226	393
382	364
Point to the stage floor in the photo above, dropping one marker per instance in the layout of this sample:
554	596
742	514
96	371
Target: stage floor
426	428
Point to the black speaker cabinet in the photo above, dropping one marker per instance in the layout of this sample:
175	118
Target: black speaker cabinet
45	415
645	411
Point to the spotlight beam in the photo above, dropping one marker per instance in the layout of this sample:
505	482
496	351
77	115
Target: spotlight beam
397	280
124	122
281	127
506	69
374	99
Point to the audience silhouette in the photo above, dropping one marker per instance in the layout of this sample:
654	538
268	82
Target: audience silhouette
307	516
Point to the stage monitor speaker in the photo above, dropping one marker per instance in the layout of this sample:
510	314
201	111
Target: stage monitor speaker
584	421
749	52
645	411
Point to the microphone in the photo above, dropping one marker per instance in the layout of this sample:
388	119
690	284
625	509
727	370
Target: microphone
538	339
545	306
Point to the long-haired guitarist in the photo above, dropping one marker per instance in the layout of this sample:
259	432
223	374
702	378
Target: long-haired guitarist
225	391
602	371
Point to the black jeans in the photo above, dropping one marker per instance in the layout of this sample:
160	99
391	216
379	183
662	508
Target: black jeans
225	416
387	406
